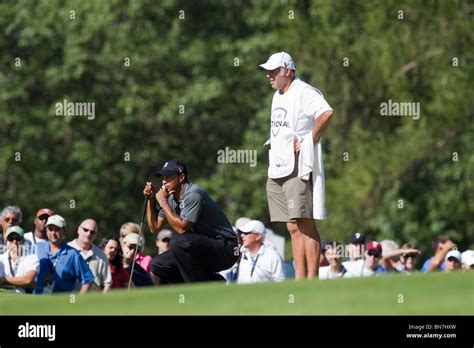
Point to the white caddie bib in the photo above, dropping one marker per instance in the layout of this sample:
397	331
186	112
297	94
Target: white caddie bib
285	109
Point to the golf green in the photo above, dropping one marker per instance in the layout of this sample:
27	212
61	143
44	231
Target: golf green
417	294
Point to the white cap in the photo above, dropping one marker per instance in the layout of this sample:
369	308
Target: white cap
132	239
241	221
467	257
254	226
163	234
277	60
454	253
56	220
388	245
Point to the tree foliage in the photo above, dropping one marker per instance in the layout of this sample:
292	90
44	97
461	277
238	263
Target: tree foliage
179	79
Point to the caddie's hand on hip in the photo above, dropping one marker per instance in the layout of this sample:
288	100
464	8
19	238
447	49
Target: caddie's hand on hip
297	145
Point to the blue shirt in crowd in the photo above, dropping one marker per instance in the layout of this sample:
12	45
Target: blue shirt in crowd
380	269
66	266
427	263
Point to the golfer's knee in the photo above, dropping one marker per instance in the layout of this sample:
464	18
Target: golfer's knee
157	264
154	278
179	242
155	268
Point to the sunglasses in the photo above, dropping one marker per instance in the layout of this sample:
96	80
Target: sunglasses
165	240
43	217
453	259
12	239
245	233
371	253
9	219
275	72
88	230
406	256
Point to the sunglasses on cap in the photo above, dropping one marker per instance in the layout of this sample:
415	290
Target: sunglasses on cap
43	217
412	255
373	253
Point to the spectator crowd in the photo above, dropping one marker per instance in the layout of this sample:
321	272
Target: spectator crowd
50	259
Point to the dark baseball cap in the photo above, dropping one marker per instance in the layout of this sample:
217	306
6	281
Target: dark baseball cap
357	238
171	168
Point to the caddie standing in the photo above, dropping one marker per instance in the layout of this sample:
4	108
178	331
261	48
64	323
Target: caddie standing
295	185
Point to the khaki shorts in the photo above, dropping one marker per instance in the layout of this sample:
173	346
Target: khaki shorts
290	198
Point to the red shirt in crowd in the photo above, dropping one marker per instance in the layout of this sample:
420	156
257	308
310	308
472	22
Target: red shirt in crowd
120	277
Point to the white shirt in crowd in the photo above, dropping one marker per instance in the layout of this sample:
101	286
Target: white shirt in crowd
265	266
356	269
325	273
20	267
30	237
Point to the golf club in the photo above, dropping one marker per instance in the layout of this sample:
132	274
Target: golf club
139	239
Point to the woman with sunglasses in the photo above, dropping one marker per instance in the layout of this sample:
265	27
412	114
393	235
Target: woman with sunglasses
143	260
111	246
130	246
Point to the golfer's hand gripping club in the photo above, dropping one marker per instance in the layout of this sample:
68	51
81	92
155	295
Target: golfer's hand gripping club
149	189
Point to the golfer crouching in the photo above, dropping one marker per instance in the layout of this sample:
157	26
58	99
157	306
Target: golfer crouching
205	242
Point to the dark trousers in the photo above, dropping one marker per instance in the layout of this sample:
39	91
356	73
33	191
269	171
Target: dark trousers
194	258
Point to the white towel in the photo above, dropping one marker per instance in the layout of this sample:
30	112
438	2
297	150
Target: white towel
310	159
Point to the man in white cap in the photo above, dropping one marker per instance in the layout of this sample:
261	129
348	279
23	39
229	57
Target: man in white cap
258	263
467	259
452	260
61	266
295	185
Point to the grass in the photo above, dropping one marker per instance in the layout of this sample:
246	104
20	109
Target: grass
423	294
